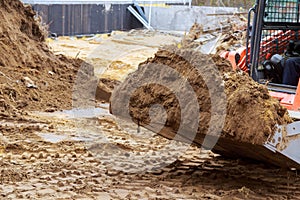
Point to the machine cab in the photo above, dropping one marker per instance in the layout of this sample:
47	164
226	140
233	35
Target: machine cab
274	37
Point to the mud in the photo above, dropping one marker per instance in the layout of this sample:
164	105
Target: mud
36	168
49	155
251	114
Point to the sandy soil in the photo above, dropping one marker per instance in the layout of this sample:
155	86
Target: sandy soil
49	156
115	55
90	154
31	76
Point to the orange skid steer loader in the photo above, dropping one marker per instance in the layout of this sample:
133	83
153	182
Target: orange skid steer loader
273	27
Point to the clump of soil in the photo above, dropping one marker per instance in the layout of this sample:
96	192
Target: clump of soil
232	41
195	32
251	114
31	77
104	89
233	32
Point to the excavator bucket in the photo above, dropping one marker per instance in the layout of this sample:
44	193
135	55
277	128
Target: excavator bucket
249	109
281	149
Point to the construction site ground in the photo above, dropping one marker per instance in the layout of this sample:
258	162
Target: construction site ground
47	155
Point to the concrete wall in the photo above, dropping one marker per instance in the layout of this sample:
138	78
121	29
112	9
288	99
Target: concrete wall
181	18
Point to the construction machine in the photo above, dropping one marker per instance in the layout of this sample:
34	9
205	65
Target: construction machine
273	30
272	25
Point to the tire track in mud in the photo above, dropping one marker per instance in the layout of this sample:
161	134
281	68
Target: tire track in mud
34	168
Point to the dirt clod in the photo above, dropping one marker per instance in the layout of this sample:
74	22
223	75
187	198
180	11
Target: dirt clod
104	89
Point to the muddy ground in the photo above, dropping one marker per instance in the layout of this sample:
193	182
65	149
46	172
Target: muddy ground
51	156
90	154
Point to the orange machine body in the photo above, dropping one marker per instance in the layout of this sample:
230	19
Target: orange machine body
268	46
290	101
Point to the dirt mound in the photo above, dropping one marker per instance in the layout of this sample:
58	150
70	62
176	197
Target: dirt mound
31	77
251	113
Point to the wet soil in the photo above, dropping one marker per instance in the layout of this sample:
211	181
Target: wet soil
47	157
62	155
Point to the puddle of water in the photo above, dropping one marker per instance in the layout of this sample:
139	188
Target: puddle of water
88	112
93	112
82	139
53	138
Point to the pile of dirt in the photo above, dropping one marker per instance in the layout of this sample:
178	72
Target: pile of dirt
31	77
251	114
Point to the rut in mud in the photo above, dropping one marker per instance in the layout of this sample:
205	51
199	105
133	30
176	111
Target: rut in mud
251	114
